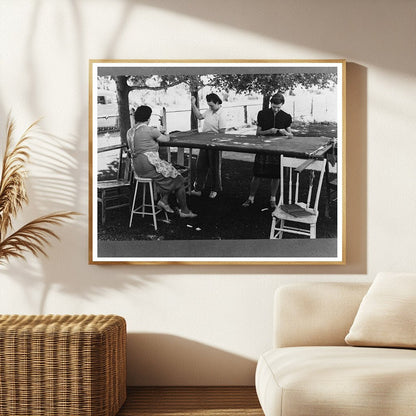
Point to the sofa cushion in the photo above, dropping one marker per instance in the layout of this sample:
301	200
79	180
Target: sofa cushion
304	381
315	313
387	314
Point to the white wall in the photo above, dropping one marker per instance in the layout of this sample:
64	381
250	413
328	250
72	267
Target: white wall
204	324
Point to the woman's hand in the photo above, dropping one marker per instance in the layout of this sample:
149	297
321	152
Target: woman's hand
287	133
193	100
163	138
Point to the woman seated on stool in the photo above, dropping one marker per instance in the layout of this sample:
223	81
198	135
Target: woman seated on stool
142	141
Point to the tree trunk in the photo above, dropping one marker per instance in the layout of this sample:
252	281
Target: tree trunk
123	106
266	101
194	120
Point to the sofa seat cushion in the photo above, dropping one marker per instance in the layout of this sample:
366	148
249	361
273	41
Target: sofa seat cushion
341	381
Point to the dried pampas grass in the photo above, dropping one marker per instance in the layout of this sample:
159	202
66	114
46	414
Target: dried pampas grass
34	236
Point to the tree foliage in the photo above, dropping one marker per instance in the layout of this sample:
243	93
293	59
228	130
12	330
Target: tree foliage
265	84
268	84
125	84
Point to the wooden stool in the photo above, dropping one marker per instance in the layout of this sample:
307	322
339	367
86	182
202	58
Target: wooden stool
144	208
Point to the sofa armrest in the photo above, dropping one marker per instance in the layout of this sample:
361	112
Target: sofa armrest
308	314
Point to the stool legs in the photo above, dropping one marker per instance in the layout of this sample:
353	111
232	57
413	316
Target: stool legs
152	199
142	209
134	203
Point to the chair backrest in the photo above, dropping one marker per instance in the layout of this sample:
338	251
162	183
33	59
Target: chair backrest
301	181
125	168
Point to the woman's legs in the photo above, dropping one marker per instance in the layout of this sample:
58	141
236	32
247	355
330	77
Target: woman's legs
202	165
184	211
181	198
274	186
180	193
254	185
164	202
164	197
215	161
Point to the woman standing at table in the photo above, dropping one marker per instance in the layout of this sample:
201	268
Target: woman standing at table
143	144
271	122
208	159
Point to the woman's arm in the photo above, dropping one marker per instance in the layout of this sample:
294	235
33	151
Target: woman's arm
163	138
286	132
158	136
195	109
269	132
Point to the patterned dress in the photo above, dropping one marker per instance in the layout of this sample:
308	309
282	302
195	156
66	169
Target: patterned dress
144	148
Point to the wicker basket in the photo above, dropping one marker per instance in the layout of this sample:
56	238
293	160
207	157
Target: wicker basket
71	365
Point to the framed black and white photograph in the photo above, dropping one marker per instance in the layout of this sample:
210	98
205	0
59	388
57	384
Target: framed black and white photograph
208	162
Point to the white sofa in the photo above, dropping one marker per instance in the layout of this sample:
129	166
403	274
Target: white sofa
311	371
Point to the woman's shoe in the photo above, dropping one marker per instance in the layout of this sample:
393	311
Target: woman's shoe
165	207
213	194
247	203
189	214
196	193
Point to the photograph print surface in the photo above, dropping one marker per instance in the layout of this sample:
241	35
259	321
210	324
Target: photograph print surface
208	162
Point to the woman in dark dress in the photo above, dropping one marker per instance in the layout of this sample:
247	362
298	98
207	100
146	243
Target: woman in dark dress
271	122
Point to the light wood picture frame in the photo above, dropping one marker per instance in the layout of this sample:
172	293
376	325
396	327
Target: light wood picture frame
224	231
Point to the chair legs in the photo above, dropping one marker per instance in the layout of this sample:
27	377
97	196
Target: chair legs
103	207
313	231
279	224
112	196
272	228
145	208
282	226
278	228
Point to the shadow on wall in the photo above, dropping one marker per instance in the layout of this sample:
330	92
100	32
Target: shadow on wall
313	24
161	359
37	287
356	168
59	181
64	183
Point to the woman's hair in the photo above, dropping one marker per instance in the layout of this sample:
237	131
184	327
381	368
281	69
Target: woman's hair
277	99
213	98
142	113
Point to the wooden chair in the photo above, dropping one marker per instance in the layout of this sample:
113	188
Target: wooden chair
116	193
298	205
331	183
331	191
